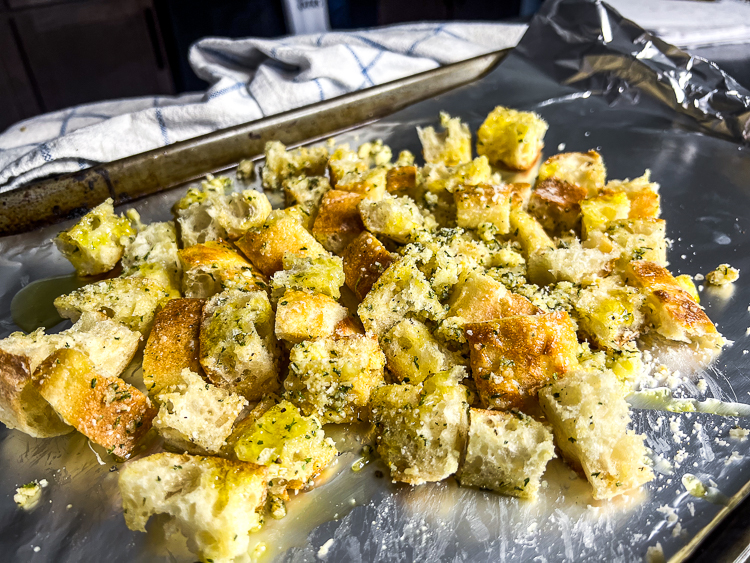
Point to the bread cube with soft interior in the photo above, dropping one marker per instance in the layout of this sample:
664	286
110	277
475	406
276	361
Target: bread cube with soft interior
439	178
598	212
106	410
484	203
506	452
421	429
281	234
397	218
371	183
93	244
451	146
333	378
375	153
583	170
557	205
570	262
292	446
401	291
315	274
525	229
196	212
590	417
344	161
511	138
413	354
642	193
638	239
238	349
195	416
301	315
155	245
513	357
477	297
364	261
306	191
215	503
282	164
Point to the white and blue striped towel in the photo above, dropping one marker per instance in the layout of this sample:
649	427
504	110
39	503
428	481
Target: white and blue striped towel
249	79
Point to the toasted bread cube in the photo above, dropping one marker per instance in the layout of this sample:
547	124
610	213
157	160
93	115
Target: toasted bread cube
238	348
93	244
281	234
338	221
375	153
306	191
484	203
609	312
365	259
196	212
320	274
397	218
451	147
557	205
155	246
214	502
671	309
529	232
572	263
282	164
106	410
421	429
400	291
173	345
293	447
333	378
506	453
306	316
437	178
642	193
513	357
412	352
195	416
511	138
599	212
240	212
723	275
344	161
211	267
583	170
371	183
401	180
477	297
21	406
639	239
130	301
589	415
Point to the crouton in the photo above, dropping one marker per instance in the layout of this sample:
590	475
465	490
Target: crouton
484	203
397	218
307	192
338	221
306	316
214	502
450	147
375	153
281	234
557	205
344	161
155	244
421	429
282	164
506	453
130	301
320	274
511	138
582	170
21	406
370	183
106	410
237	345
642	193
477	297
589	415
173	345
437	178
211	267
195	416
293	447
401	180
529	232
671	309
638	239
365	259
333	378
93	244
412	352
196	212
400	291
598	212
513	357
571	262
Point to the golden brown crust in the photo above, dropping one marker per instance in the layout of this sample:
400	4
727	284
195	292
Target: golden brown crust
556	203
365	259
221	257
401	179
106	410
481	298
348	327
513	357
173	344
338	221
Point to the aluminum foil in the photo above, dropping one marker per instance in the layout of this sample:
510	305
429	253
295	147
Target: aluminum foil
601	83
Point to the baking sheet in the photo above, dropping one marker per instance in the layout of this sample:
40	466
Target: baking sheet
704	172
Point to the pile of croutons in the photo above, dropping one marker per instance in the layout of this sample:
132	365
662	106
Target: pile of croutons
481	313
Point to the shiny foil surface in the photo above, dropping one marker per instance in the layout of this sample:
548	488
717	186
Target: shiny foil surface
601	83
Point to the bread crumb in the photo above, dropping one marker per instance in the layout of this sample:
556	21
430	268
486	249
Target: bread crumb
27	496
723	275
